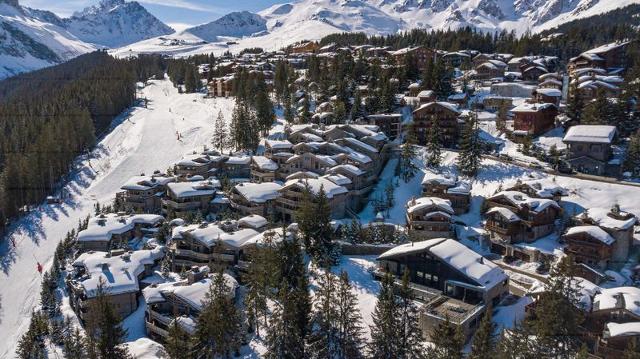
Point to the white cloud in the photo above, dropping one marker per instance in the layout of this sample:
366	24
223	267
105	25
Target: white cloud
179	26
182	4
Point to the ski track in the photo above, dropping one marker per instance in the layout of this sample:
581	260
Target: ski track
143	140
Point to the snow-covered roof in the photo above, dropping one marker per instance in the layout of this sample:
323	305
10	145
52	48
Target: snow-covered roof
607	47
590	133
506	213
259	192
143	183
360	144
549	92
239	160
469	263
209	234
586	288
519	199
602	217
314	184
532	107
440	204
593	231
194	294
347	167
448	105
340	180
274	234
192	189
280	145
118	273
618	298
252	221
264	163
623	329
102	227
444	179
461	187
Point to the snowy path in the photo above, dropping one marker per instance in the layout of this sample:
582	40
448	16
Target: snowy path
143	141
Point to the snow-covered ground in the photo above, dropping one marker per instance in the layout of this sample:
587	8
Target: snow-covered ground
142	141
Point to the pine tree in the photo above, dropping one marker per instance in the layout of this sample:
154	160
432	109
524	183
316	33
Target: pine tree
484	346
575	104
305	114
598	112
31	344
470	148
73	345
557	317
516	343
190	85
384	331
433	146
261	280
632	159
447	340
323	340
284	340
104	326
501	118
314	222
220	133
631	351
357	110
410	335
350	336
218	329
177	343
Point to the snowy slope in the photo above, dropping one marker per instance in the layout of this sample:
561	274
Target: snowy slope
314	19
141	142
114	23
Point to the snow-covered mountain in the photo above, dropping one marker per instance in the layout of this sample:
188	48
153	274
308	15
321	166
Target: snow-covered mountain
284	24
235	24
31	39
115	23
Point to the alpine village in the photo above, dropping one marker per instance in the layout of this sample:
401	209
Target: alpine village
423	194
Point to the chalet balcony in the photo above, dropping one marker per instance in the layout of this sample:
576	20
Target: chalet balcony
214	257
499	228
166	203
156	330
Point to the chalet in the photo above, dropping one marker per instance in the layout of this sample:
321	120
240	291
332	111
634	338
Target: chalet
457	59
273	146
255	198
238	167
513	217
143	193
307	162
263	169
447	116
590	245
548	95
489	69
217	245
118	272
221	86
538	189
448	187
589	85
495	102
185	198
618	224
305	47
389	123
112	231
609	57
421	55
180	303
454	282
430	217
615	310
359	186
589	148
426	96
292	196
533	119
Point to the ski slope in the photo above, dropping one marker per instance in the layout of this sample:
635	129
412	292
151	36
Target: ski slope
142	140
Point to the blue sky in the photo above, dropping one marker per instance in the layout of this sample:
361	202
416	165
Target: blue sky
176	13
